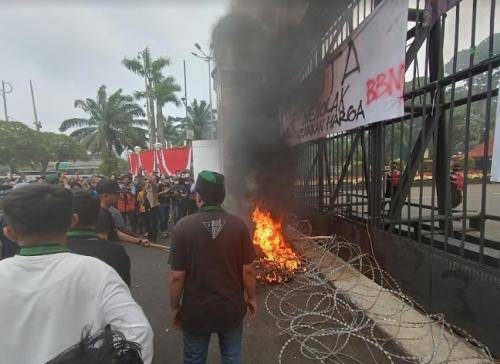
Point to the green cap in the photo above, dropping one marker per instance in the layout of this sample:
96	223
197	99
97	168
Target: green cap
52	179
210	185
212	177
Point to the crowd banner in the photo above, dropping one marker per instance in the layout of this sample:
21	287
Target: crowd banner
363	80
495	160
164	161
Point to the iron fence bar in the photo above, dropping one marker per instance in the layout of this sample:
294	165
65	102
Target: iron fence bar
376	157
352	170
487	135
418	25
446	105
366	176
420	38
401	131
442	166
344	169
391	160
448	224
467	123
321	176
339	183
416	14
475	69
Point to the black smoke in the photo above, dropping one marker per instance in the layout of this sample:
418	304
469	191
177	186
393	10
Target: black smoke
259	164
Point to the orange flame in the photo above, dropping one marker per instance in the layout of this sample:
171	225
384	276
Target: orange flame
269	238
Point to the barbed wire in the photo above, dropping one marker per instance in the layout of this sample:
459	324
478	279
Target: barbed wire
320	320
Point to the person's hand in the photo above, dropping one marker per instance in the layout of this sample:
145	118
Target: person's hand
251	308
176	320
145	243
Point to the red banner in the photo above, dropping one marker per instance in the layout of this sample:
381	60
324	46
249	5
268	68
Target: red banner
164	161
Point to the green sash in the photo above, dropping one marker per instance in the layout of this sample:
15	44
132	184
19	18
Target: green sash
33	250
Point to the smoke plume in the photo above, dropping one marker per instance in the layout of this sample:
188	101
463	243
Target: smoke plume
252	78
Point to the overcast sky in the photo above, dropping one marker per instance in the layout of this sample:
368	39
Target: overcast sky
70	48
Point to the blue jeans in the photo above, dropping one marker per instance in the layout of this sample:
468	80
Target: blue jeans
196	347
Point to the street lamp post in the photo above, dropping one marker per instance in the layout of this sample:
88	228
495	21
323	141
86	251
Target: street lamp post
4	93
207	58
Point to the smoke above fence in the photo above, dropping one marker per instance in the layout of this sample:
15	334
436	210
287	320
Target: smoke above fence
249	48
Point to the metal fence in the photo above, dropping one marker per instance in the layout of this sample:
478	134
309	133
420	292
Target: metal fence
396	175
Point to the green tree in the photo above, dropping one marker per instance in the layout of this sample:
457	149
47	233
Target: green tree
158	88
478	109
175	128
199	119
16	145
164	93
115	123
56	147
21	146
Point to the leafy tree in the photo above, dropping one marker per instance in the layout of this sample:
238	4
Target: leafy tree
478	109
16	145
21	146
56	147
115	123
175	129
110	164
199	119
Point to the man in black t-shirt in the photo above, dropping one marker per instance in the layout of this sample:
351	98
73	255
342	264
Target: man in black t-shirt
82	238
109	192
211	268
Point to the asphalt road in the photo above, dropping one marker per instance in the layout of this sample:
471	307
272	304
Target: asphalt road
474	202
262	340
150	288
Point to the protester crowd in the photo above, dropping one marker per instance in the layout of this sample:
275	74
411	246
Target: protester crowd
147	204
65	274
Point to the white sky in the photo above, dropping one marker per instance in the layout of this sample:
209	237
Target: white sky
70	48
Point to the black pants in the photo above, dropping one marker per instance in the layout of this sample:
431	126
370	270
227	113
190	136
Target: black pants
143	223
165	216
154	222
178	210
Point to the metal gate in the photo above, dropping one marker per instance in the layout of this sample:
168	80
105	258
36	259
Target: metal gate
396	177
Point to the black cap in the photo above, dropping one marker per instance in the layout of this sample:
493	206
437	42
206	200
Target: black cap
107	186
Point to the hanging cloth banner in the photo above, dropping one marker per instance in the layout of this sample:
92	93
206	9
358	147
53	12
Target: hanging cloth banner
495	160
363	80
134	161
164	161
177	159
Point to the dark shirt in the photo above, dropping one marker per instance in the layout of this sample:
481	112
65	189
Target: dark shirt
211	247
106	225
177	192
111	253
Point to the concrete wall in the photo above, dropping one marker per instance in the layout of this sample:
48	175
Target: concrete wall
206	156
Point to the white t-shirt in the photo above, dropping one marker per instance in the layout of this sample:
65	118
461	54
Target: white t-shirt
47	300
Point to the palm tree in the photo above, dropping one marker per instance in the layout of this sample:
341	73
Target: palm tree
114	124
176	130
199	119
151	70
164	93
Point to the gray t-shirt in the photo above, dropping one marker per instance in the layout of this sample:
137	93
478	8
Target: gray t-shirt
117	217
